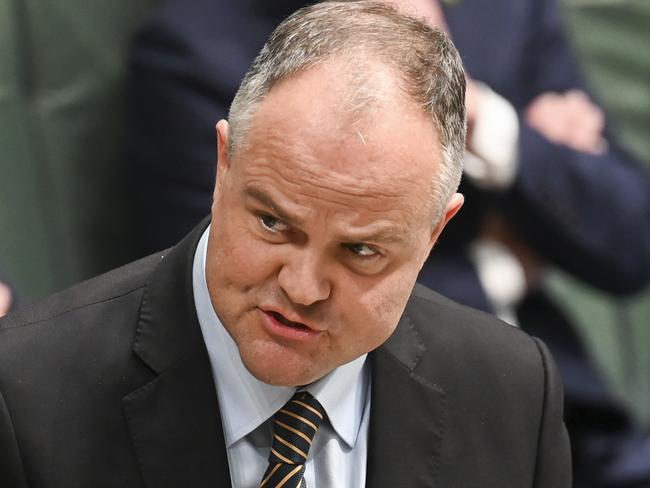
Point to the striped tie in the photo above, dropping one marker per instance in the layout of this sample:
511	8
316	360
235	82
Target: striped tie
294	427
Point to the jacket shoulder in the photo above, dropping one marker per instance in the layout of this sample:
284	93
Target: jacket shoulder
472	346
106	287
446	319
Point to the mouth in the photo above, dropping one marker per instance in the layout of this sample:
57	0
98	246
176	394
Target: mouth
278	325
283	320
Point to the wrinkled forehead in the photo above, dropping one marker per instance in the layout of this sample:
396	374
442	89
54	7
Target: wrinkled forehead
322	127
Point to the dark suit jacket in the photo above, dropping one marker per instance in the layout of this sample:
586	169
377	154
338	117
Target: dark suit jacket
109	384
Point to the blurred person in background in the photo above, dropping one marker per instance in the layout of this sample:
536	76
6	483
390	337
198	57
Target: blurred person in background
546	182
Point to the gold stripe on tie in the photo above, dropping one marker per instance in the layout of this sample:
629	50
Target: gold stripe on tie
275	468
289	476
290	446
303	419
293	425
309	407
280	456
295	431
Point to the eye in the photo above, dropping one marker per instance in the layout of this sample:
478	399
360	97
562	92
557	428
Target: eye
273	224
362	250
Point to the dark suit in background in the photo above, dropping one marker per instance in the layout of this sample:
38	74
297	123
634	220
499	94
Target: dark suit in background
109	384
582	213
186	65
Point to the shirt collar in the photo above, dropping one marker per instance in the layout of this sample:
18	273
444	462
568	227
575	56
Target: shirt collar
245	401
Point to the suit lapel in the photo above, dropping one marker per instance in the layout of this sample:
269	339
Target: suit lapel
176	428
407	416
174	420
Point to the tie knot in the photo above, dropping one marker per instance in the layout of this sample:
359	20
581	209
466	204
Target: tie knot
294	427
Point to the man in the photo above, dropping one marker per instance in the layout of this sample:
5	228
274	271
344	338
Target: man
561	198
170	371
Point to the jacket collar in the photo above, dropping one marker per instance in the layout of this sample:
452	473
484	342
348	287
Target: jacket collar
407	415
168	329
174	419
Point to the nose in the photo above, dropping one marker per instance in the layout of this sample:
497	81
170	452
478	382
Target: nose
303	280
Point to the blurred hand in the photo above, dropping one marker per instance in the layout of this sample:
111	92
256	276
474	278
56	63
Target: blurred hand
5	299
570	118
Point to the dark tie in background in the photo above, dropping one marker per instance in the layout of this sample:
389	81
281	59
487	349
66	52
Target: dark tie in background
294	427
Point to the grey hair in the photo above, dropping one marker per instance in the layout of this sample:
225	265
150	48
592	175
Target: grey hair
428	66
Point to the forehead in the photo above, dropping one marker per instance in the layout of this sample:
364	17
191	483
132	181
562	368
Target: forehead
331	127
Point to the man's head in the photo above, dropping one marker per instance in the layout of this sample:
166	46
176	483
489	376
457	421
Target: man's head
335	178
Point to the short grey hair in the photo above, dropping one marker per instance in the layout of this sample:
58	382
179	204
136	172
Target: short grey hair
426	62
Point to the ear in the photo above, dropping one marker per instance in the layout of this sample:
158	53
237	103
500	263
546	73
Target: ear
452	208
223	161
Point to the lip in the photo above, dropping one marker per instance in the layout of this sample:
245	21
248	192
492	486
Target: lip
276	327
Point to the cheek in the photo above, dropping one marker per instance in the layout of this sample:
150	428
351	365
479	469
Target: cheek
243	258
237	271
376	312
388	299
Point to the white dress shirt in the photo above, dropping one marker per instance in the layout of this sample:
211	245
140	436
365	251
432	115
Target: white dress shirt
338	454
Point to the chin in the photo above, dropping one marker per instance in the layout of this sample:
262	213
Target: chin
282	376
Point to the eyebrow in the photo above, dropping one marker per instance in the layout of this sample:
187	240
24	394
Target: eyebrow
385	235
388	235
266	200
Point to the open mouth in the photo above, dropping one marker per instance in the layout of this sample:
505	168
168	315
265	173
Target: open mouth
280	318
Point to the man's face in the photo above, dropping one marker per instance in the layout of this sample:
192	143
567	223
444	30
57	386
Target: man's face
320	226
